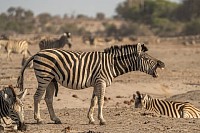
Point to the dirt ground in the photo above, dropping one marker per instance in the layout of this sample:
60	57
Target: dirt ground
180	81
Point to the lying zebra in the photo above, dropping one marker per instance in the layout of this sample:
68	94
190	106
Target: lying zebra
56	43
11	109
167	108
80	70
15	46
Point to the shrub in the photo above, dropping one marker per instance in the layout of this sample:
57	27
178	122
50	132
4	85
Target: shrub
192	28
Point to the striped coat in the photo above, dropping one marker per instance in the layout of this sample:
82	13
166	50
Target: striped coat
11	108
16	46
168	108
56	43
79	70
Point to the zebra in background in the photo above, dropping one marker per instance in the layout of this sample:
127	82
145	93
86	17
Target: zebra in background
79	70
15	46
11	108
168	108
56	43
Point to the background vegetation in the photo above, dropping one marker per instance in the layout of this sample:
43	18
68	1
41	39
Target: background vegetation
137	17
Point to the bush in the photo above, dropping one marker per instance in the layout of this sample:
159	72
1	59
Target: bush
165	27
192	28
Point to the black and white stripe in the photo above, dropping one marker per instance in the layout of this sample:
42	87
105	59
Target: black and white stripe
15	46
56	43
79	70
168	108
11	108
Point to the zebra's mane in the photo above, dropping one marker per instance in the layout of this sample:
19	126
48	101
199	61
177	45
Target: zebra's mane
120	49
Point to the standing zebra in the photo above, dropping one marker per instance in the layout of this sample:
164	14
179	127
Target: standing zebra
56	43
79	70
168	108
11	108
15	46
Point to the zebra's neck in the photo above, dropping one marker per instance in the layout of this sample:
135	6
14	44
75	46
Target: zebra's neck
124	64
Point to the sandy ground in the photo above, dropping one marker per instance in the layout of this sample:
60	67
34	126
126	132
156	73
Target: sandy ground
180	81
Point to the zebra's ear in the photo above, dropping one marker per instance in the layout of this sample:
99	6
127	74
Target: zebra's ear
139	48
22	95
134	96
138	95
144	48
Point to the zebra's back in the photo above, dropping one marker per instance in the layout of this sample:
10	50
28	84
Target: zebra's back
49	44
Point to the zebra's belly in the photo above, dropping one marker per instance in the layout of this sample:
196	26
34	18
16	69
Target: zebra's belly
75	84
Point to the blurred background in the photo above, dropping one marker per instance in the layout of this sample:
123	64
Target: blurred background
125	18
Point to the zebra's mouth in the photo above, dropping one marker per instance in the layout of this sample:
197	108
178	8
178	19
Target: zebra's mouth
155	74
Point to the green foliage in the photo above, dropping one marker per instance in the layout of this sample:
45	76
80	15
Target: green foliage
188	10
164	27
152	9
164	17
192	28
110	29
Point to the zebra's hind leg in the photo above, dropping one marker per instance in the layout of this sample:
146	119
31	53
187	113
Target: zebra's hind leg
49	101
37	98
91	110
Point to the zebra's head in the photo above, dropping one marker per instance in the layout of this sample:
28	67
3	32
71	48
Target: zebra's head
137	100
66	37
16	106
4	37
141	100
134	58
149	64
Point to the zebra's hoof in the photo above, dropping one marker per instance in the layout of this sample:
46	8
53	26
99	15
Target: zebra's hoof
22	127
58	122
91	122
102	123
40	122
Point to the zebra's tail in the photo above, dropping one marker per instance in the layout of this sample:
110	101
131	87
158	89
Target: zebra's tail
20	79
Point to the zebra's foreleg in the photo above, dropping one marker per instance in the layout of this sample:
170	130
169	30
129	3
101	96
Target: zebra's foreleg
37	98
100	94
91	110
8	55
49	101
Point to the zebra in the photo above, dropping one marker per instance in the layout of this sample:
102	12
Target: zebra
168	108
56	43
11	108
15	46
79	70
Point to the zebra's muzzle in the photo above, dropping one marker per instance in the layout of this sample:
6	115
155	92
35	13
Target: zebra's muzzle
160	65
